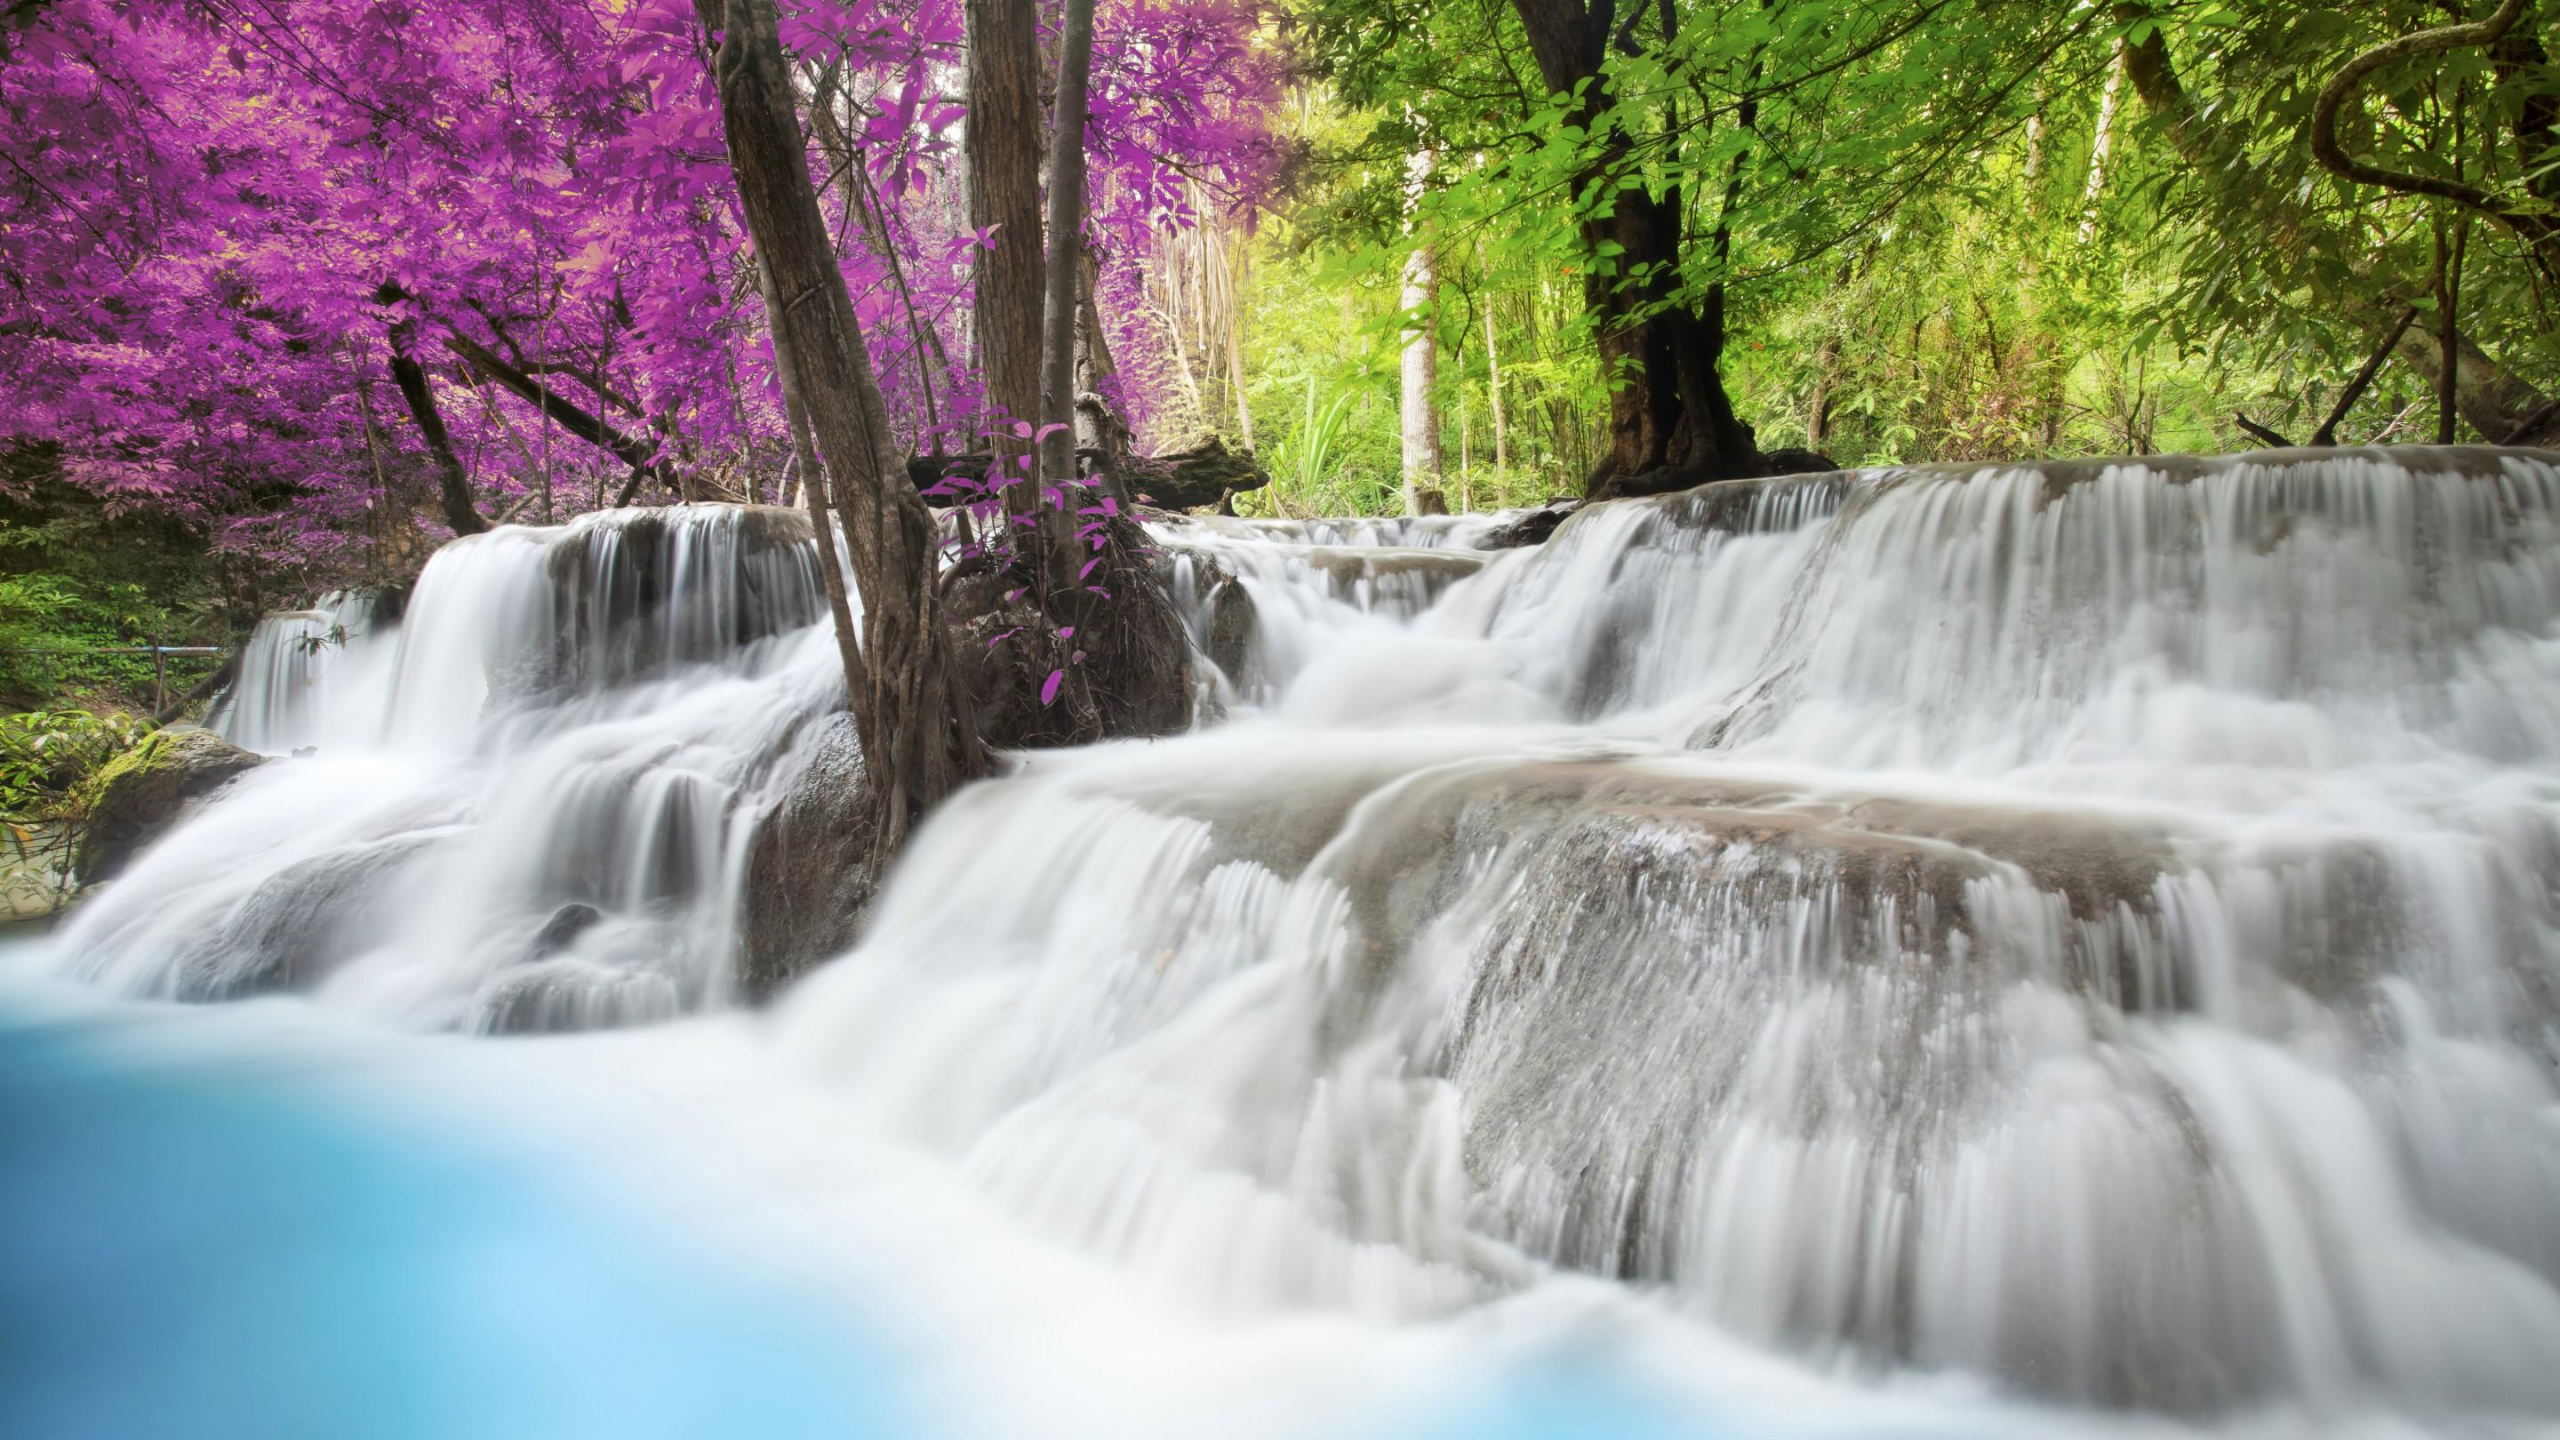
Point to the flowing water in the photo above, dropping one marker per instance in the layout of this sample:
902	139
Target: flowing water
2071	947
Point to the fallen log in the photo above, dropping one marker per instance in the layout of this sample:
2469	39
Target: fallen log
1190	479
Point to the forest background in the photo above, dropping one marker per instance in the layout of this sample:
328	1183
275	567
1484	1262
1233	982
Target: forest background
292	290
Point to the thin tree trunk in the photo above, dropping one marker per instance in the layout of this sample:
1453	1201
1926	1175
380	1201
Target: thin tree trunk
1066	244
1493	390
1098	428
1421	358
913	717
2100	146
804	455
1466	458
1003	145
1235	348
373	448
2447	336
1817	418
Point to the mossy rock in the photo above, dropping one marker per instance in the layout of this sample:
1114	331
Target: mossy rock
135	798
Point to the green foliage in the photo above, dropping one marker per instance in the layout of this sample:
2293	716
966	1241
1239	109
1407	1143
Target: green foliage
1901	210
80	588
47	756
1303	464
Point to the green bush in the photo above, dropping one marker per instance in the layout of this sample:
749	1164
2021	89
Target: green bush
81	590
45	755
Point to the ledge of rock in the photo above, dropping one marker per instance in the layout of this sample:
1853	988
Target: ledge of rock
135	798
807	881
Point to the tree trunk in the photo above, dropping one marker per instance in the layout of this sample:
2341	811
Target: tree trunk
1817	410
918	741
453	483
1671	424
1493	389
1003	144
1235	345
2488	399
1100	430
813	484
1421	361
2099	147
1066	244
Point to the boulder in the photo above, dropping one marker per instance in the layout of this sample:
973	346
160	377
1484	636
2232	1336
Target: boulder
808	878
642	590
564	927
299	924
1232	618
561	996
1118	648
1530	529
135	798
1793	461
1212	604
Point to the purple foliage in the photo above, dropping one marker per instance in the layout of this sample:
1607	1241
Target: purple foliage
201	200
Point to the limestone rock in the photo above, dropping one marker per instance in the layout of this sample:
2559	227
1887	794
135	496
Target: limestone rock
807	883
136	797
1530	529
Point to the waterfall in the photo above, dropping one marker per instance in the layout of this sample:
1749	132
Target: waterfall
2094	926
526	807
290	692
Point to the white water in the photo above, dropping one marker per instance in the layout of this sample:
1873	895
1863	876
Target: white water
2090	929
304	671
567	730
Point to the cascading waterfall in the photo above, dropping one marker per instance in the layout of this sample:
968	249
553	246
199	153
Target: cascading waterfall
523	807
291	669
2094	926
1263	599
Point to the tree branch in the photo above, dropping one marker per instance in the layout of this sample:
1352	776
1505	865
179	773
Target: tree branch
2327	434
453	481
2536	229
640	455
2261	431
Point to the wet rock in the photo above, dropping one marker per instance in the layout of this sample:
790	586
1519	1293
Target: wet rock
1794	461
564	927
637	591
1530	529
808	879
1231	624
1349	568
1213	606
1661	985
299	924
135	798
552	997
1604	859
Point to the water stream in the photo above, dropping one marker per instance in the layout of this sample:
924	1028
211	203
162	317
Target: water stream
2071	947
